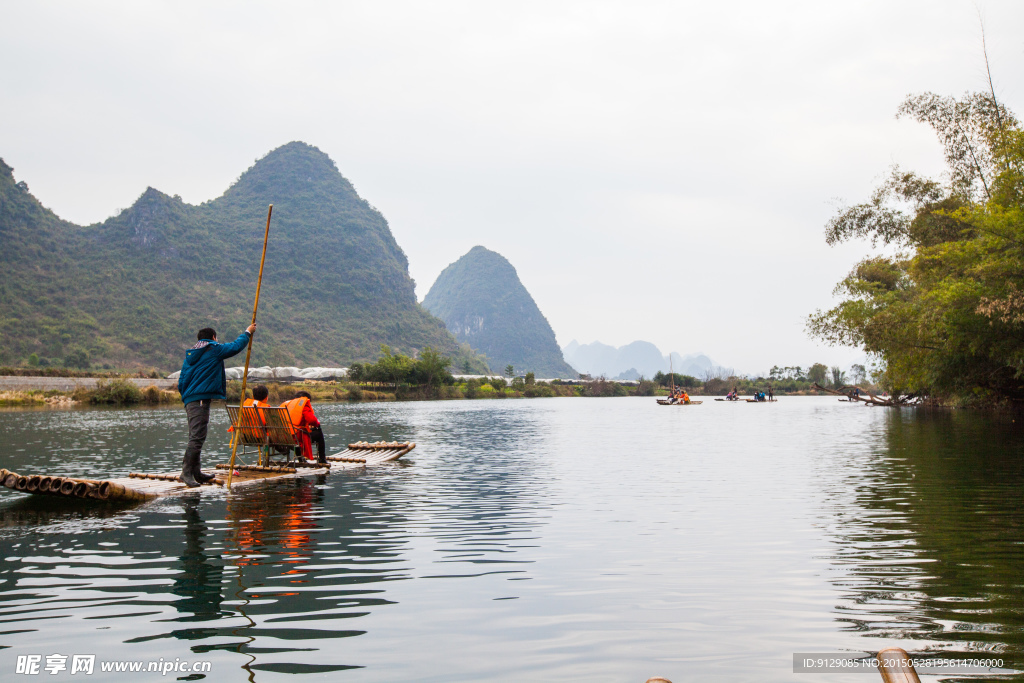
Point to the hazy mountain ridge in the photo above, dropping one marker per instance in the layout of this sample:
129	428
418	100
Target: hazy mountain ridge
632	360
482	301
132	290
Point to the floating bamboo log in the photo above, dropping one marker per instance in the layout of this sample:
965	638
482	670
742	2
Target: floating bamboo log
379	445
896	666
275	469
161	477
110	490
84	490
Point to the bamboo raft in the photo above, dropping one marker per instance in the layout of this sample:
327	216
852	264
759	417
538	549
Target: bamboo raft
666	402
143	486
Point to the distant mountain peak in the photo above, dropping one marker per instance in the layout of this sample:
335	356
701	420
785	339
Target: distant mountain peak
484	304
633	360
294	170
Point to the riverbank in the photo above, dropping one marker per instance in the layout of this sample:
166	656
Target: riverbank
69	391
122	391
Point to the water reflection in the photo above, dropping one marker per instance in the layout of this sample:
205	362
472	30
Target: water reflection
199	580
929	530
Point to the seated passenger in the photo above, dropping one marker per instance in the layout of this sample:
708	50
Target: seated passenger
685	397
307	426
258	400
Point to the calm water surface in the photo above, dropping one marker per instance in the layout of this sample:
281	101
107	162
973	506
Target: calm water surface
556	539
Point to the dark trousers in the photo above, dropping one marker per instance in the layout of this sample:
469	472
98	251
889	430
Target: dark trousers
317	436
198	413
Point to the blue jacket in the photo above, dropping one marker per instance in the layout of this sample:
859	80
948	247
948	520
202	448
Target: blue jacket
202	374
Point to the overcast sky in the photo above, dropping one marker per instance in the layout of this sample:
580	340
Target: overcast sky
654	170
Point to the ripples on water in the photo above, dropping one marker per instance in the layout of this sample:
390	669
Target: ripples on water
568	539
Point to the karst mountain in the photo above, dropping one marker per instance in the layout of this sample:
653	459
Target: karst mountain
132	291
484	304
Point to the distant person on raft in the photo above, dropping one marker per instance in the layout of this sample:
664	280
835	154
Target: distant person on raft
202	380
307	426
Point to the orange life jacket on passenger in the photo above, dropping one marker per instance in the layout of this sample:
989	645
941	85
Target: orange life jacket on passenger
300	429
252	403
295	408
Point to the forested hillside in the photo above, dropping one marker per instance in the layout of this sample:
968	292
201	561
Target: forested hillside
482	301
132	291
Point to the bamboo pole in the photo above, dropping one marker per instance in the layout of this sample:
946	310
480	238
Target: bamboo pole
248	350
896	666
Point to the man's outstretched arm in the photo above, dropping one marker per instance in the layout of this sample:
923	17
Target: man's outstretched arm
235	347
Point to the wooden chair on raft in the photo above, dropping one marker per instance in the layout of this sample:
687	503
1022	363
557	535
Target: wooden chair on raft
264	431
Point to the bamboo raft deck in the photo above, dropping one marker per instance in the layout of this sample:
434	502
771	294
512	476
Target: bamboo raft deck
666	402
143	486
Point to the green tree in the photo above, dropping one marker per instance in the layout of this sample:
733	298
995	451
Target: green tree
838	377
432	367
531	379
858	373
944	315
818	373
392	367
510	371
79	358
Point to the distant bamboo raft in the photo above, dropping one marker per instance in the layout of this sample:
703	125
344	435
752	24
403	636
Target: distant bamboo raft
143	486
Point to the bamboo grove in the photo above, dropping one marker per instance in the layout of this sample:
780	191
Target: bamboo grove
941	305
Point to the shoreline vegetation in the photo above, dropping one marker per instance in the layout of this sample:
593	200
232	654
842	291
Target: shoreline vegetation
112	392
397	377
118	393
941	309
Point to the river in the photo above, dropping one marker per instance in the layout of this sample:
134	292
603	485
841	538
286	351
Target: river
566	539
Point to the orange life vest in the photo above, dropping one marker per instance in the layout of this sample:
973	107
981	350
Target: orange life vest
247	405
295	408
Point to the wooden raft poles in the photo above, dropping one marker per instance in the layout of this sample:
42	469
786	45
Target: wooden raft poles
363	453
143	486
70	487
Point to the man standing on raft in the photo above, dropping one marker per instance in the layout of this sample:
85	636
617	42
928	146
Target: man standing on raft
202	379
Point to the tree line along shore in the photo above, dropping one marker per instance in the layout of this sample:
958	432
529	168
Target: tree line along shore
121	392
398	377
